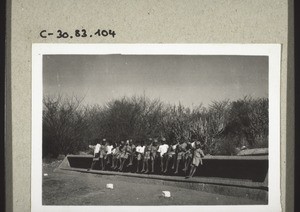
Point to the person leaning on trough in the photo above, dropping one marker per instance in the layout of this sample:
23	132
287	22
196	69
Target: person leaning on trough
197	158
96	155
163	149
123	156
147	156
103	151
189	155
181	150
108	157
140	149
130	150
115	155
171	155
153	154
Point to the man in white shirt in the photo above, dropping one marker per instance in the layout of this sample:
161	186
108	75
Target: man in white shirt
96	155
162	149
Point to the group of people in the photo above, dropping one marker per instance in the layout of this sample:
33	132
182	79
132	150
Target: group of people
116	155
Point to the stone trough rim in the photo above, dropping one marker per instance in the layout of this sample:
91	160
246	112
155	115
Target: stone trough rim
203	180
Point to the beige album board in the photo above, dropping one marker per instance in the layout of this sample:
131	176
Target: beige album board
149	105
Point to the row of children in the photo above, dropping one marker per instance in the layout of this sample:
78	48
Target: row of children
118	154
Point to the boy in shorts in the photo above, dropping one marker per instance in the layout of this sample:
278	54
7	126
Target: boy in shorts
115	155
181	150
103	154
153	155
122	155
197	158
140	149
130	150
147	154
188	155
162	149
171	154
108	158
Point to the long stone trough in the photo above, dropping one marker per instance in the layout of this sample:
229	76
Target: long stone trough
244	176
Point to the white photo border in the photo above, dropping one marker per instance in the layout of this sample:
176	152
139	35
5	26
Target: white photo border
273	51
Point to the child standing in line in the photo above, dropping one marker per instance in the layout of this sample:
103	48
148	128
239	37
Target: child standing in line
181	150
147	154
162	149
121	156
175	147
115	155
96	156
189	155
103	154
171	154
130	150
109	148
197	158
153	155
140	149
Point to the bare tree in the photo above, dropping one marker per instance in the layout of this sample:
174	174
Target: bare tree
64	125
68	126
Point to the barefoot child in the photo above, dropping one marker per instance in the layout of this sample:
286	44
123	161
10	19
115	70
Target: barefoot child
108	158
130	151
181	150
103	154
175	147
96	156
115	155
153	155
121	157
147	154
197	158
189	155
140	149
162	149
171	154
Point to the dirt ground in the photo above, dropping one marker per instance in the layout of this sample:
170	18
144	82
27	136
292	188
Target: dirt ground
75	188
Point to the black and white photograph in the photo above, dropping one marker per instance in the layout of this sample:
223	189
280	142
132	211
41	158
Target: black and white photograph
156	125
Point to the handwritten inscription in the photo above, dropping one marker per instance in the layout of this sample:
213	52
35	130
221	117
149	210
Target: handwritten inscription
77	33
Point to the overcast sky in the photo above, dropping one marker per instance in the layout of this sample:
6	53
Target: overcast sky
190	80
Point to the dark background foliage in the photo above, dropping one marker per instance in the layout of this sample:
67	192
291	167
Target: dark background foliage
224	126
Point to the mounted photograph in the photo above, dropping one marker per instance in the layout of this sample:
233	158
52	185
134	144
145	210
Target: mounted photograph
177	125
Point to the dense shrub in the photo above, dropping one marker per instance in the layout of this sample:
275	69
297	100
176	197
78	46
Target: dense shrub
69	126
